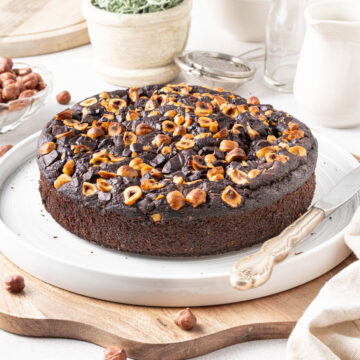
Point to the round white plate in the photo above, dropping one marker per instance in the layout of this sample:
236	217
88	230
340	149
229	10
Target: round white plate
37	244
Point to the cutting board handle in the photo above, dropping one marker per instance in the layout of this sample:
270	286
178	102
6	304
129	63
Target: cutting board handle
254	270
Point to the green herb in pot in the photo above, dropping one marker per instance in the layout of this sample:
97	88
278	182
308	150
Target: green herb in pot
135	6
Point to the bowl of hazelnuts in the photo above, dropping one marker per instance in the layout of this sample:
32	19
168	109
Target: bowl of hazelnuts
23	90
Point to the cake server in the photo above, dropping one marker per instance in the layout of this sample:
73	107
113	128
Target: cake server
254	270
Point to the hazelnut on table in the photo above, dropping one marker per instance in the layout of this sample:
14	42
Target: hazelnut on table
63	97
115	353
4	149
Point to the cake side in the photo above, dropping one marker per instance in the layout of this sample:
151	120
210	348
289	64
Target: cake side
208	236
175	170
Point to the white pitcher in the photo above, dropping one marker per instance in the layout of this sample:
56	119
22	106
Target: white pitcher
327	81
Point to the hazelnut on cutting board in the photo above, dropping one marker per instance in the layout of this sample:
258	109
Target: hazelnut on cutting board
14	283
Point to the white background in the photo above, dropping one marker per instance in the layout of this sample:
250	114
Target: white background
73	70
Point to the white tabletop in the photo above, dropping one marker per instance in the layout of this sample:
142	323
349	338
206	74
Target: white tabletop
73	71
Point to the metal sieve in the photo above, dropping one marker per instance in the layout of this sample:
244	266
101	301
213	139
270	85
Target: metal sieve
218	69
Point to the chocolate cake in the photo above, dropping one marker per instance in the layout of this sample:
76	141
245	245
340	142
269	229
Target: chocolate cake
175	170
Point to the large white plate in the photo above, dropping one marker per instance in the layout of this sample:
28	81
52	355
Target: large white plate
36	243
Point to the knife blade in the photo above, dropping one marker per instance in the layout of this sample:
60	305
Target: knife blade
339	194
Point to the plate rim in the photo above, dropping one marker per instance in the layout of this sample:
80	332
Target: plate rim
221	274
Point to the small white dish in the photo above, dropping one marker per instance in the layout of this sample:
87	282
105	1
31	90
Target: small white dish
37	244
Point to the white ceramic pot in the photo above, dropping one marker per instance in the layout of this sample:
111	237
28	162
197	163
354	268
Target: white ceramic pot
327	81
138	49
244	20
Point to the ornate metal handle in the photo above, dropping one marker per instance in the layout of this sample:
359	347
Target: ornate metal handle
255	270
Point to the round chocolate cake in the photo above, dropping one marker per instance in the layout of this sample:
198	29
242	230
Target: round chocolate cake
175	170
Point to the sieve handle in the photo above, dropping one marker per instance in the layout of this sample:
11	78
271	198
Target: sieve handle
256	54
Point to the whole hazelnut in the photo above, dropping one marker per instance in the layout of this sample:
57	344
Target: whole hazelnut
5	83
41	86
63	97
27	93
7	76
6	64
23	71
10	92
30	81
38	76
14	283
4	149
185	319
115	353
20	84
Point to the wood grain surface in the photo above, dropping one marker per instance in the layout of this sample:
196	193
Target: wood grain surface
149	333
31	27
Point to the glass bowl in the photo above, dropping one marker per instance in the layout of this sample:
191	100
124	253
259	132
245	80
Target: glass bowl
15	112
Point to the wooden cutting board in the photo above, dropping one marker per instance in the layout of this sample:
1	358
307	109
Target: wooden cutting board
31	27
149	333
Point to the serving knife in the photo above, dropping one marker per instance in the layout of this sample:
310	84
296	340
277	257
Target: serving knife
254	270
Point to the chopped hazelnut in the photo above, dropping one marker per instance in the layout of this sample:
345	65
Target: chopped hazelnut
69	167
251	132
196	197
265	150
95	132
216	173
168	126
103	185
203	108
143	129
175	199
223	133
61	180
47	148
231	197
89	189
180	130
235	154
166	150
209	159
132	194
204	122
114	129
198	162
184	144
161	139
253	173
150	184
237	176
156	217
228	145
298	151
88	102
127	171
132	115
129	138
